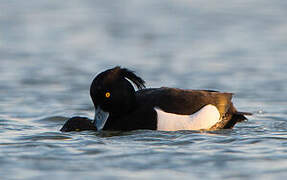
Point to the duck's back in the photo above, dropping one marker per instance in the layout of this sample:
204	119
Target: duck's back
184	102
188	102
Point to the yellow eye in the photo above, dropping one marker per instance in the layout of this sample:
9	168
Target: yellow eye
108	94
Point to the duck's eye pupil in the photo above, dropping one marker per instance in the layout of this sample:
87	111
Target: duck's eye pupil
108	94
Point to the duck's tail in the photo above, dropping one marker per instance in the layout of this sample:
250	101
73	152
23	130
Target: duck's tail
231	118
235	117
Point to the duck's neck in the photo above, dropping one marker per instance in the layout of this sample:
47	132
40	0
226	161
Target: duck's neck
126	109
119	121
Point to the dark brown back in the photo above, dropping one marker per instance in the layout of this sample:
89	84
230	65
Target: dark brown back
184	102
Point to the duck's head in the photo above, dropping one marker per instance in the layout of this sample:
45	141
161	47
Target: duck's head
113	94
78	124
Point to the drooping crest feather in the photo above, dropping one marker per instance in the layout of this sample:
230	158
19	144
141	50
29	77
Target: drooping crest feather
126	73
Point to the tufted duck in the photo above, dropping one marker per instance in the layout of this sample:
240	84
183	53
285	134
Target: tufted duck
119	107
78	124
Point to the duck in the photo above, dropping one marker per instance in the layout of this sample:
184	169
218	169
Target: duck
78	123
123	103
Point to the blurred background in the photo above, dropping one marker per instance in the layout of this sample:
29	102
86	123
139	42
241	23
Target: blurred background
51	50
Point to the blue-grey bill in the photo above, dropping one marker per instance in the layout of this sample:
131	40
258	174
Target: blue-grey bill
100	118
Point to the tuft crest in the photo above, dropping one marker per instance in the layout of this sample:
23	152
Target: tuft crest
126	73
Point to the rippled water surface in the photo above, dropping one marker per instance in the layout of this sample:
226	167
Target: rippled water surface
50	51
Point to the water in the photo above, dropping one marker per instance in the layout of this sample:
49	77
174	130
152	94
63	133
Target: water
51	50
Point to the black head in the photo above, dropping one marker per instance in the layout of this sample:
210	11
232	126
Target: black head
78	124
112	91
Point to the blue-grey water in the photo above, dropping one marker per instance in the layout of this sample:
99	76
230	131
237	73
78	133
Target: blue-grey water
50	51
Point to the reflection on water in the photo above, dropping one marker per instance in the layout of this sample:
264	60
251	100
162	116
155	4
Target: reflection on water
50	52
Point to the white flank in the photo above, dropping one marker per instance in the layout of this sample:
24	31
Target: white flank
203	119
